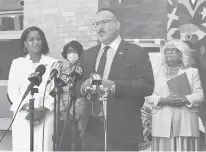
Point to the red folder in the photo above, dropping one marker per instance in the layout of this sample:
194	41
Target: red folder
180	85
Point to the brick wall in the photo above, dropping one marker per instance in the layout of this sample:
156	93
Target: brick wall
140	18
65	20
62	21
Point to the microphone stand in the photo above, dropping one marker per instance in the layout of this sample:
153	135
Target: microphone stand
31	112
56	93
73	99
104	97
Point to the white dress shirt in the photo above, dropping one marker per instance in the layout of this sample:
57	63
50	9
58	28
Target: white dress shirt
110	55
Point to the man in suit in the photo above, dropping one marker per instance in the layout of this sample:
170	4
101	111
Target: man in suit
128	73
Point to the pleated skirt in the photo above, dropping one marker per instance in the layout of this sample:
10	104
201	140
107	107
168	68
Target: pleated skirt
175	144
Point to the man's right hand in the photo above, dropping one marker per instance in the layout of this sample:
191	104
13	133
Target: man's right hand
86	87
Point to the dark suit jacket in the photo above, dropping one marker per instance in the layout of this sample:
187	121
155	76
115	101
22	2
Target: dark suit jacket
132	72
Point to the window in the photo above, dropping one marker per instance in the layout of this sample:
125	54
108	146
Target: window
11	22
11	26
11	15
10	49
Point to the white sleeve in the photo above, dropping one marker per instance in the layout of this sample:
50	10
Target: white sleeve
155	97
197	96
153	100
14	86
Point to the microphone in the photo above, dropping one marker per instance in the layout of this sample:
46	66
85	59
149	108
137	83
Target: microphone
75	75
96	79
62	81
96	83
35	79
55	70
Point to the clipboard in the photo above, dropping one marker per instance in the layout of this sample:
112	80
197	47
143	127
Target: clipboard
180	85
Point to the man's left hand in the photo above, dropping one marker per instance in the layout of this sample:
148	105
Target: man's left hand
109	84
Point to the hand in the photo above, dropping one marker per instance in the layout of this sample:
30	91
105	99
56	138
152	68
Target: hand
185	100
177	100
39	113
86	85
172	100
25	107
109	84
166	101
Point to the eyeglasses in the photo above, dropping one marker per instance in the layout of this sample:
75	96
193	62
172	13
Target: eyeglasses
171	50
102	22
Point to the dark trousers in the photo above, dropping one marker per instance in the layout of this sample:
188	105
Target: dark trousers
93	139
67	137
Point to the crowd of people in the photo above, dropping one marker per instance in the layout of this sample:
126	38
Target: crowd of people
126	71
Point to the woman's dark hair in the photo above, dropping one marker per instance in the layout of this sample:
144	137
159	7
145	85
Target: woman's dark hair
75	45
24	36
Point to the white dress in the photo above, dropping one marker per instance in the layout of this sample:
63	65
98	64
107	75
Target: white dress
18	81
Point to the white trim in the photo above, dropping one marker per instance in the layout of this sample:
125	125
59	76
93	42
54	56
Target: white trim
156	41
15	34
10	34
147	42
201	126
3	83
12	12
5	122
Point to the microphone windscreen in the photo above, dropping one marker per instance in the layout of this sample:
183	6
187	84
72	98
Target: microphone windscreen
41	69
96	79
64	79
78	69
57	65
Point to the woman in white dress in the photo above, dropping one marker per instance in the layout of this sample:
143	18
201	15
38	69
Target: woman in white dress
175	124
35	47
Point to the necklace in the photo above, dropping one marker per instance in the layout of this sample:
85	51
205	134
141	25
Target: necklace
172	72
